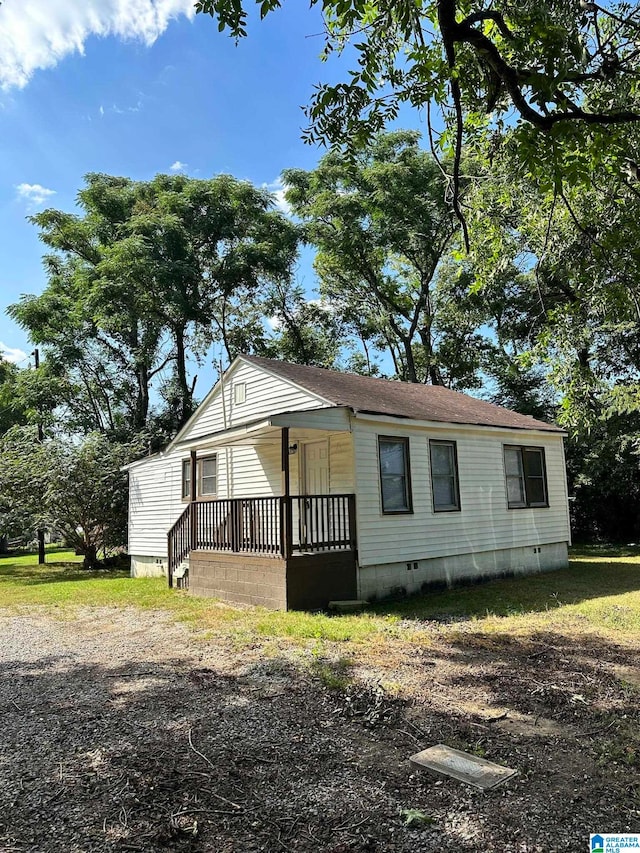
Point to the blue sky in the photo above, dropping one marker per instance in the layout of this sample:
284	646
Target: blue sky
136	87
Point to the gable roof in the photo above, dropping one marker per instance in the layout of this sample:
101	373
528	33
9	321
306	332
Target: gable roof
369	395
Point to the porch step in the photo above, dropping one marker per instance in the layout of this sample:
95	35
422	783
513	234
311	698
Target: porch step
353	606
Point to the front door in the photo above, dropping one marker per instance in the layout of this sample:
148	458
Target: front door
316	482
316	468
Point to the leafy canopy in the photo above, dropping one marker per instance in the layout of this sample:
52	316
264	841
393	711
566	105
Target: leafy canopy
561	76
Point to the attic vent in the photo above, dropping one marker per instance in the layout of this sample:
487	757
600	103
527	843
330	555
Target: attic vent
239	392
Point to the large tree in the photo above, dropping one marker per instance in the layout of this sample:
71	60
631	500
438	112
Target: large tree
147	274
559	77
382	225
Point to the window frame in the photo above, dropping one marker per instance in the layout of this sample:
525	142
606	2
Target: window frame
404	441
200	465
186	466
186	481
522	449
457	507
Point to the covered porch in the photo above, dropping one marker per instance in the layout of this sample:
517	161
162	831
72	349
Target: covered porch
287	547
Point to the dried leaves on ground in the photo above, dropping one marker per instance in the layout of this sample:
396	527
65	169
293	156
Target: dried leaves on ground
123	731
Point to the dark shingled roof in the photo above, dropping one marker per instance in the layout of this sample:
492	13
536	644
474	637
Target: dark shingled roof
399	399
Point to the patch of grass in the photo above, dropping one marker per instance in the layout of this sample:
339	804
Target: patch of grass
601	593
334	674
63	583
595	594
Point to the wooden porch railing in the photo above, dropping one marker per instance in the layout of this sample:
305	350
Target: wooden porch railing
279	526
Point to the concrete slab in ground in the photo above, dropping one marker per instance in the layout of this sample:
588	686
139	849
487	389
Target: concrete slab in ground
462	766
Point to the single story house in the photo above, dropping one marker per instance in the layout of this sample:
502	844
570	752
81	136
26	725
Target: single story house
291	486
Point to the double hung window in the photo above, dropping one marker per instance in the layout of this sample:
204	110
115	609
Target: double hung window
526	476
206	478
444	476
395	484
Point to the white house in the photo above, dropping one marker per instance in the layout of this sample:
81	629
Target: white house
291	486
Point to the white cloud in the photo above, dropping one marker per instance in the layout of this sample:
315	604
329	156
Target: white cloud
178	166
37	34
277	188
34	194
12	354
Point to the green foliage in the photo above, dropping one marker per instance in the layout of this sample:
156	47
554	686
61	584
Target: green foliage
149	272
382	227
76	489
416	818
13	407
557	79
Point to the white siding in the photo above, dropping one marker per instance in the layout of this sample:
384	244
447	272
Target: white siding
341	467
254	471
155	503
265	395
484	522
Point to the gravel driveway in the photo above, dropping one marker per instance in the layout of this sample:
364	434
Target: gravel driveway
124	732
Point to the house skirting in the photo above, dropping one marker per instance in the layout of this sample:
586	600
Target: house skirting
301	582
382	581
148	567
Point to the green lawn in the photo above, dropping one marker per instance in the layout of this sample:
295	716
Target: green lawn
598	593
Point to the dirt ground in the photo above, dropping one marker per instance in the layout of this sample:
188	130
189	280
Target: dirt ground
122	731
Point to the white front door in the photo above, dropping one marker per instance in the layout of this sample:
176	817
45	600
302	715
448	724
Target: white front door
316	468
316	528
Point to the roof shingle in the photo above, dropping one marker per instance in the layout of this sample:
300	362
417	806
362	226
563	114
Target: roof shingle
399	399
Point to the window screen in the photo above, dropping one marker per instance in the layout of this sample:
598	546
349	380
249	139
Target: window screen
394	474
208	483
526	476
444	476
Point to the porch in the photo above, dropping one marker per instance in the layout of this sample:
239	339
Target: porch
279	550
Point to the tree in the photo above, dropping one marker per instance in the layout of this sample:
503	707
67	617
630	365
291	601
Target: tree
382	227
556	78
78	489
149	273
13	410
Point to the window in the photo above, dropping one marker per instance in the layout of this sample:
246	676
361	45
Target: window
525	472
444	476
207	471
207	484
186	479
239	392
395	486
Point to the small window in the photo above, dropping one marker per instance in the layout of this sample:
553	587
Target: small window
526	477
239	392
186	479
444	476
395	485
208	481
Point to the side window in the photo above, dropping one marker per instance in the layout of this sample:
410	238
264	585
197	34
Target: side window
207	482
395	484
208	479
444	476
526	475
186	479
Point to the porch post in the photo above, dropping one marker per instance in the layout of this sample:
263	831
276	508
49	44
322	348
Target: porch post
286	516
192	498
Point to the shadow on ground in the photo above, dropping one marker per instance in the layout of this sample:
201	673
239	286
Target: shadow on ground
258	755
582	581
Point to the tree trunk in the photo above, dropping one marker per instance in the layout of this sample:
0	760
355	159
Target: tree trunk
90	557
